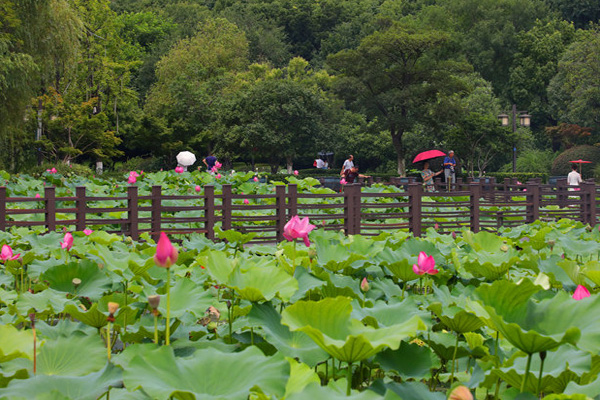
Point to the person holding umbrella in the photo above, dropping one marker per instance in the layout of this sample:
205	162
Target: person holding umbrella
574	178
427	176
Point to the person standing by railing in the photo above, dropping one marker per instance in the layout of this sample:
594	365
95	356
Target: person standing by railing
348	164
450	169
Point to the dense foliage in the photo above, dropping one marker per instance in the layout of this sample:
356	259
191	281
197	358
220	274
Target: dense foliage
101	80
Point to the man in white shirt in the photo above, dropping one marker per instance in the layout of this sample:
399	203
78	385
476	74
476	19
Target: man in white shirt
348	164
574	179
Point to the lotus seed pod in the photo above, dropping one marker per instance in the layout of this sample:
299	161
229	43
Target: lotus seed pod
504	248
154	301
76	282
312	253
113	307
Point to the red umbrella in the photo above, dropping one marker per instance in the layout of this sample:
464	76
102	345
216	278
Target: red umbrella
427	155
580	161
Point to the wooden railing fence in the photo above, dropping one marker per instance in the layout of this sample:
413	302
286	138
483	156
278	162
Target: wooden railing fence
484	205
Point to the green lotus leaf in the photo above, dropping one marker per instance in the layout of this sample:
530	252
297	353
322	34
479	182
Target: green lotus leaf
64	328
384	315
592	390
258	283
63	356
414	390
329	324
483	241
186	296
15	343
290	344
444	343
456	318
121	260
94	281
219	265
335	391
523	321
566	364
301	375
90	386
333	255
7	297
17	368
574	247
306	283
490	266
402	270
43	303
408	361
209	374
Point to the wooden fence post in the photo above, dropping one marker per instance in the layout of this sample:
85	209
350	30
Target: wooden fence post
280	212
226	221
209	211
592	203
133	212
50	199
352	209
415	192
80	208
533	201
2	208
156	211
561	189
292	200
475	195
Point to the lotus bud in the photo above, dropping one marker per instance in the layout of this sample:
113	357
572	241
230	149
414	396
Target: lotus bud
296	172
154	301
246	201
543	355
113	307
436	226
76	282
461	393
198	188
32	318
364	285
166	254
581	293
504	248
453	235
228	303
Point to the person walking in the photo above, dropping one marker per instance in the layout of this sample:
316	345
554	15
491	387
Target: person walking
348	164
210	161
450	170
574	178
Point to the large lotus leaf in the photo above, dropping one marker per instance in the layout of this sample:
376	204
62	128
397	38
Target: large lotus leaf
591	389
408	361
414	390
301	375
402	270
17	368
86	387
333	255
209	374
329	324
37	267
94	281
483	241
290	344
533	326
7	297
64	328
456	318
551	268
258	283
63	356
306	282
122	261
574	247
444	344
562	366
92	317
383	314
104	238
43	303
334	391
490	266
186	296
15	343
591	270
219	265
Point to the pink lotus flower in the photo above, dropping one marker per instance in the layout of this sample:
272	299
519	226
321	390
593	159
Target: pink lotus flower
37	196
179	170
297	228
218	176
67	242
436	226
364	285
296	172
132	179
256	180
246	201
133	173
166	253
425	265
343	181
581	293
218	165
52	171
198	188
87	231
7	253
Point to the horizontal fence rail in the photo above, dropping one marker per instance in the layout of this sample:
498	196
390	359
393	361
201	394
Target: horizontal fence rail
481	205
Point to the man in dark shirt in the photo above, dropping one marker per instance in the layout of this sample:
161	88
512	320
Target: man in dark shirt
210	161
351	174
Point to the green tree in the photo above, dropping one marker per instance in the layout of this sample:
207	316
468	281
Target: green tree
580	12
194	78
400	77
575	90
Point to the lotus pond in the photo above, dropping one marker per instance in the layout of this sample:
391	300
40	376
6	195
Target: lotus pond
345	315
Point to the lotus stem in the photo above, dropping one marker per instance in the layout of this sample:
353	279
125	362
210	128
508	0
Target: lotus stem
294	259
497	389
229	320
349	377
403	290
539	385
252	336
524	381
125	315
168	328
156	328
21	287
32	317
108	344
454	359
326	372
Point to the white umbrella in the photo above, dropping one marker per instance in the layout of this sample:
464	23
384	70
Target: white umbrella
186	158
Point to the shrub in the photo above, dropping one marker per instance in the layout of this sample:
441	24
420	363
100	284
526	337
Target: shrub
63	169
562	166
